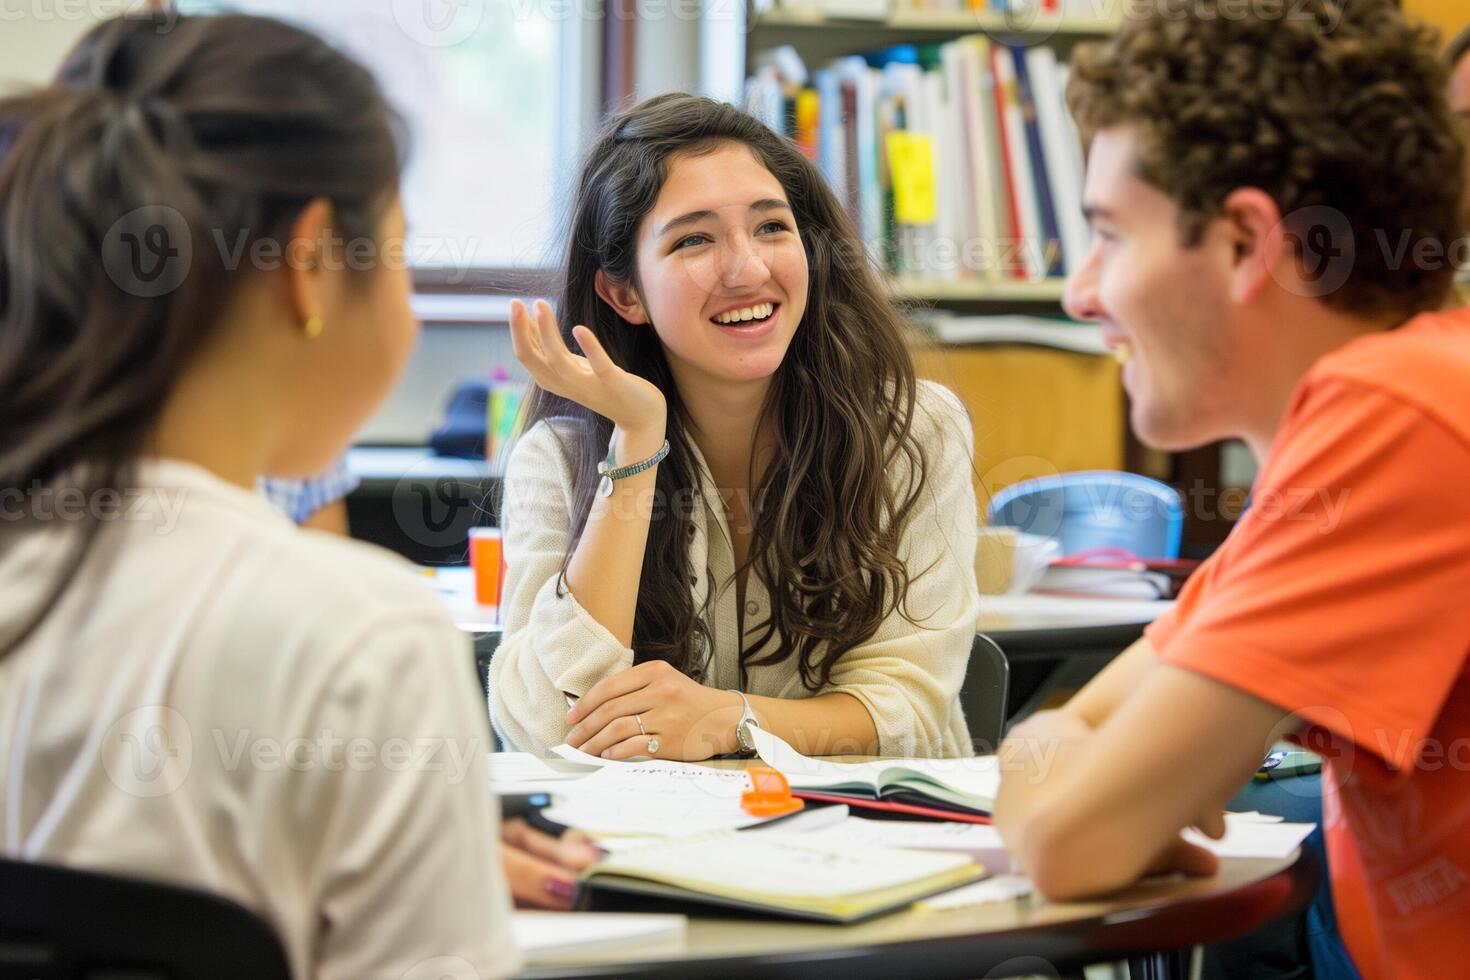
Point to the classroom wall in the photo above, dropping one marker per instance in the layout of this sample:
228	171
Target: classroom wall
35	36
446	354
666	59
1450	16
666	51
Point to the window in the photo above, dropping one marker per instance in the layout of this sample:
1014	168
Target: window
498	96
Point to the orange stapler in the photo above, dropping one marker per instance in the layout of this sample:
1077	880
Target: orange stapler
769	794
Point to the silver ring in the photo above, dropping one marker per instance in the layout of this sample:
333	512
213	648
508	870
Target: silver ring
653	745
640	725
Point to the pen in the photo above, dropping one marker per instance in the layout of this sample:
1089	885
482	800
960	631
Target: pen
514	805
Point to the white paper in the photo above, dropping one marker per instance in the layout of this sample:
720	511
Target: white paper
523	767
1253	839
980	841
1002	888
597	762
808	772
653	798
544	934
581	758
813	818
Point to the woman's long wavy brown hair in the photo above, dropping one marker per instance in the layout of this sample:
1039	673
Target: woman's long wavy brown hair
828	516
223	128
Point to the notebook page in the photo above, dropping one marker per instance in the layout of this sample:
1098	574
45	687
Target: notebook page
653	798
803	772
977	777
975	780
980	841
769	864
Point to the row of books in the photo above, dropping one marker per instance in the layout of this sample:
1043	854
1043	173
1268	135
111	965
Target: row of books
1021	10
958	161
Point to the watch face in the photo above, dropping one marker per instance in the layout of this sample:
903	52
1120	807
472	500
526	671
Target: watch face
743	736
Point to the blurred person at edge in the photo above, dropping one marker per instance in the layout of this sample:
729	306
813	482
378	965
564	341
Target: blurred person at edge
169	377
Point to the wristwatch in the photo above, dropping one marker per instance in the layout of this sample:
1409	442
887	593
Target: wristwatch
747	721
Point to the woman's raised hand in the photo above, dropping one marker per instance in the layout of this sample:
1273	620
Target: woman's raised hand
631	403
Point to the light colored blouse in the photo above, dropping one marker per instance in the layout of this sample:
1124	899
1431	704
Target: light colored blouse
283	717
907	676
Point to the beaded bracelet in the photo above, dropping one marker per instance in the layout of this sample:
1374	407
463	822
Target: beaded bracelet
605	485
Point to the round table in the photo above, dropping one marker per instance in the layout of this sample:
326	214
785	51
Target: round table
1148	924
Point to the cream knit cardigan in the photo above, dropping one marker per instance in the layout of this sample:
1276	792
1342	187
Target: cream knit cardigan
908	677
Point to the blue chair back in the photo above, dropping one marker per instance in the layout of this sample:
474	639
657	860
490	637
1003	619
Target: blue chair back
1095	509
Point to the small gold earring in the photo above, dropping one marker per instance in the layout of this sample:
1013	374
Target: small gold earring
312	327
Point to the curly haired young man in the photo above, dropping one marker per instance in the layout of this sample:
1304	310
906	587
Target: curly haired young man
1274	190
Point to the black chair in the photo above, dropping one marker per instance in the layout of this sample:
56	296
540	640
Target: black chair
64	924
485	644
984	693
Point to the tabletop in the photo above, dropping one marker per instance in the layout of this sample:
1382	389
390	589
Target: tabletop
1156	915
1026	935
1001	616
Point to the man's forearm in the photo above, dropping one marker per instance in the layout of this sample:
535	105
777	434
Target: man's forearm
1034	758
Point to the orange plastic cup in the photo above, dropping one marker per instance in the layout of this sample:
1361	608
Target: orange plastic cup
487	558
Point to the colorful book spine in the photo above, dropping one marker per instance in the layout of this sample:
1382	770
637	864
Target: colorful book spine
831	153
1013	244
860	103
1063	152
808	119
1051	246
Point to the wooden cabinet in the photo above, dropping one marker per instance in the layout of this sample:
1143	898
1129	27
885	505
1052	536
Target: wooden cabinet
1036	411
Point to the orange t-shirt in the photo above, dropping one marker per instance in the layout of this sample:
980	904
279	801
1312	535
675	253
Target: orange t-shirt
1344	596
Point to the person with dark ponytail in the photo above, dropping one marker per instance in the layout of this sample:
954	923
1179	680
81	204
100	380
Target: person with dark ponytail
736	506
197	223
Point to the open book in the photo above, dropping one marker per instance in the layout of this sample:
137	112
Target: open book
956	789
776	875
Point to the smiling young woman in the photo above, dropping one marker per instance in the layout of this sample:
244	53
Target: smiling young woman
800	553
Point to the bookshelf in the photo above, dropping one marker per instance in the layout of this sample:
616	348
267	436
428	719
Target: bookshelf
944	131
905	20
1046	291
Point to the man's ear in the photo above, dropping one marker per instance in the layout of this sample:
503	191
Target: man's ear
306	283
1257	237
621	296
